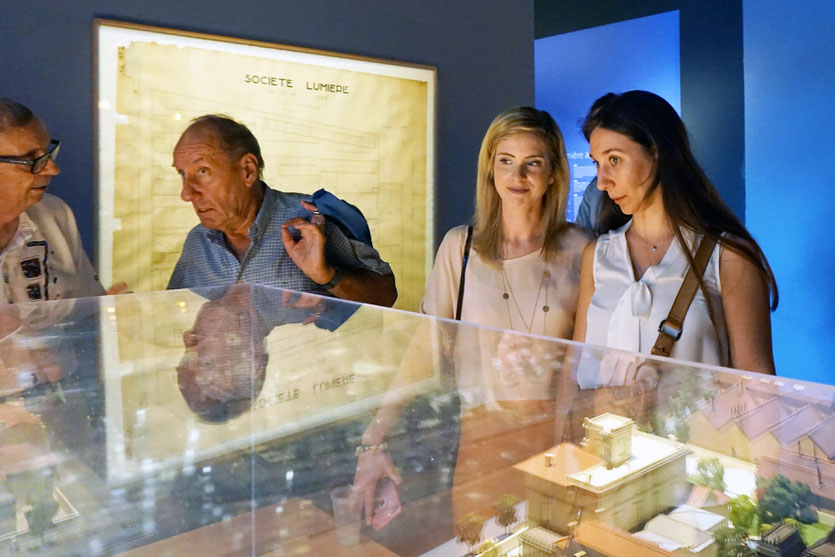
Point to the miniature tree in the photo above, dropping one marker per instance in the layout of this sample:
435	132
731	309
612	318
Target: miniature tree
742	511
682	430
731	542
710	396
505	507
35	487
488	548
803	501
681	405
711	473
785	499
659	424
776	503
469	529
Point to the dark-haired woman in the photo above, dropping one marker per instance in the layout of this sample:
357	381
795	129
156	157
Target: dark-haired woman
631	275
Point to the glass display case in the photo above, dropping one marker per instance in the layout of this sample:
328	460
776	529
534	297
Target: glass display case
251	420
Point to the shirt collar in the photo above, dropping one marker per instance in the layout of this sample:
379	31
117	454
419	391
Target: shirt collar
26	228
265	212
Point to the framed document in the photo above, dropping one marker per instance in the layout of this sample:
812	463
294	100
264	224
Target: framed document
364	129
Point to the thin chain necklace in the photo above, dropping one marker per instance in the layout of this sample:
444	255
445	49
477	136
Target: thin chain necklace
545	309
654	246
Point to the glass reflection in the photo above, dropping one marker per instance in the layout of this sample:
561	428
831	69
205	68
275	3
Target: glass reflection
222	421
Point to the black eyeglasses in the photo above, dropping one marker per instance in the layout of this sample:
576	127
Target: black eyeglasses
37	165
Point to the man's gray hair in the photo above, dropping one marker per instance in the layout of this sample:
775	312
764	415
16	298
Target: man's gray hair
236	138
13	114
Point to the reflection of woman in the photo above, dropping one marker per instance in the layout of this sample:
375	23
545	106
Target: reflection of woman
522	273
632	274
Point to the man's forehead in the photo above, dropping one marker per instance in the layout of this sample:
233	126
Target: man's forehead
199	143
30	136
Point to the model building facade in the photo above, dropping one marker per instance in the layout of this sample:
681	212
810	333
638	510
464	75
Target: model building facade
620	476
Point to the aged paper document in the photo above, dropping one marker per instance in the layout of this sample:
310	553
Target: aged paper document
362	130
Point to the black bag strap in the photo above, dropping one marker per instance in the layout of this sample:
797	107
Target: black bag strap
466	258
670	329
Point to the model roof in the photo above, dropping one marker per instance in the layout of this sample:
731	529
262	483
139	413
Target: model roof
797	425
732	403
698	518
609	540
779	533
659	540
825	550
763	418
610	422
824	437
701	496
679	533
568	459
542	537
784	538
647	450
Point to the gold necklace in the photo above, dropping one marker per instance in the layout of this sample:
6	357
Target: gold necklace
545	309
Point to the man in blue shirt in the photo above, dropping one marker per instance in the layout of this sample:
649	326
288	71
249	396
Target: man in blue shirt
251	233
589	211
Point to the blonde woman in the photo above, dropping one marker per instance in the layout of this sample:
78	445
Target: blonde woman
522	274
524	267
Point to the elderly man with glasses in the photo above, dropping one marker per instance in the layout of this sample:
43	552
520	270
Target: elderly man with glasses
41	257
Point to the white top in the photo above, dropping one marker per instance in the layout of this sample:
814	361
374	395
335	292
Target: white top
625	313
45	259
493	371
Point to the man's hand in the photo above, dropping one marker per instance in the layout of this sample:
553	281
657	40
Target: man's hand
308	253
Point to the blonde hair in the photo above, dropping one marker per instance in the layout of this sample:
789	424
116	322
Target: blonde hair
487	232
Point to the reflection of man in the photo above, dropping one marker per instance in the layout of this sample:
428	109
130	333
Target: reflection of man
41	257
246	229
224	368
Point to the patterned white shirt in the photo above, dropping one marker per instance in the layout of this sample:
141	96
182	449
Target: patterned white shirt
45	259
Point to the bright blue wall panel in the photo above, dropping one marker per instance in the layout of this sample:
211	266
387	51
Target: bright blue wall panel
790	173
574	69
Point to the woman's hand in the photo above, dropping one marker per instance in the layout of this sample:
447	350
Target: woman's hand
372	466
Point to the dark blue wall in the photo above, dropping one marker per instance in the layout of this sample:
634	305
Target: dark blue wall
483	52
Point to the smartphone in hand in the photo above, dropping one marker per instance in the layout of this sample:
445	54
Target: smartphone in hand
386	504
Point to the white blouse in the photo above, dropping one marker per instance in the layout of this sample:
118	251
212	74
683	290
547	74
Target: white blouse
625	312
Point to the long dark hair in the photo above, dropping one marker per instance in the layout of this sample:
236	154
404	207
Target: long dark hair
690	199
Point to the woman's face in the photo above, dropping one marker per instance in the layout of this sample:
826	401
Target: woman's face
522	170
625	170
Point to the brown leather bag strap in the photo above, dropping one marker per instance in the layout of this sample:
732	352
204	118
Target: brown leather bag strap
669	331
460	304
